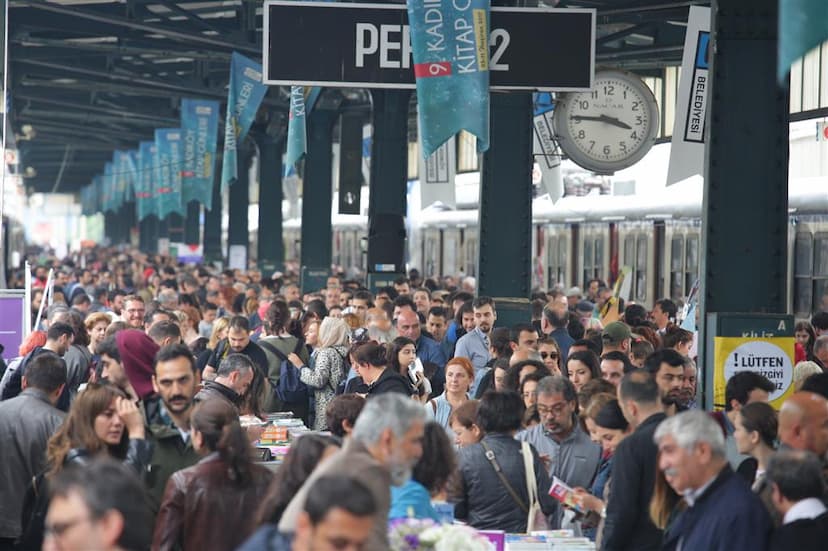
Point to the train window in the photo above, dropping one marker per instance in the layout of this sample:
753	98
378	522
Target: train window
641	269
470	245
551	261
561	276
598	265
803	254
588	261
691	263
820	295
820	268
466	152
676	267
629	251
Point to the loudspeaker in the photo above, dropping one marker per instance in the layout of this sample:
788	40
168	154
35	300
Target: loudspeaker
386	243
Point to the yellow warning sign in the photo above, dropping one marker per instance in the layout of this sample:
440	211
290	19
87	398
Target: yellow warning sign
772	357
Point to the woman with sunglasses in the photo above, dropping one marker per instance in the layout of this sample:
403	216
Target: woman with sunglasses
550	354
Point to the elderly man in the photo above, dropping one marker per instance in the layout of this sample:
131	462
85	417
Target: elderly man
386	443
574	457
722	512
798	488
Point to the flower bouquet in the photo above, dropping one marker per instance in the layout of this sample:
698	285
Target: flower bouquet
425	534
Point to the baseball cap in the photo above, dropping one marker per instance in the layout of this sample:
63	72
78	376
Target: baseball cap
584	306
616	332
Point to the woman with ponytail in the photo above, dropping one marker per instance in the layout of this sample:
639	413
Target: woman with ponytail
212	505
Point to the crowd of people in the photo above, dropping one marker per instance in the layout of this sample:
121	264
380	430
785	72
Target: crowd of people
129	418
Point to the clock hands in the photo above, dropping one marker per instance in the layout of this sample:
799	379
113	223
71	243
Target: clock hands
602	118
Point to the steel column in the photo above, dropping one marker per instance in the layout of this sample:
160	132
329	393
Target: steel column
317	196
212	225
239	201
270	244
506	208
745	222
192	224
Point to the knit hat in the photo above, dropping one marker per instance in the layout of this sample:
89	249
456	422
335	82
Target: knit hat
137	353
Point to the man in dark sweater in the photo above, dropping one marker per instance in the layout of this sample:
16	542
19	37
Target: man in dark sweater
628	524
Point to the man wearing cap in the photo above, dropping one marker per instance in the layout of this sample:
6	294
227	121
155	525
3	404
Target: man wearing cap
573	297
616	337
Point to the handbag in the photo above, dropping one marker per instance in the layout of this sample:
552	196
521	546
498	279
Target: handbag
536	519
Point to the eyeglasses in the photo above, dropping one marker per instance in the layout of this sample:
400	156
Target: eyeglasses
551	355
557	409
57	529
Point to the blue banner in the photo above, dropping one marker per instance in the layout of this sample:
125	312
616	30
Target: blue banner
144	202
450	44
168	144
297	141
120	163
108	196
803	25
199	123
244	96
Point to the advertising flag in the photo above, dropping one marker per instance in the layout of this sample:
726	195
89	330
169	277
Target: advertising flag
297	141
803	25
199	124
109	188
168	156
144	203
450	44
244	96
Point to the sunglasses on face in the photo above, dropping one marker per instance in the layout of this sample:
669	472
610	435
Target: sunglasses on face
551	355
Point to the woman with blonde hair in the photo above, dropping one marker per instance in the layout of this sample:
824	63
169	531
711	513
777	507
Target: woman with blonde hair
96	325
328	366
802	371
220	328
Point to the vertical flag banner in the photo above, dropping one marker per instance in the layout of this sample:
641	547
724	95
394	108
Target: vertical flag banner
108	188
803	25
131	162
450	43
168	152
687	145
144	203
199	124
297	140
244	96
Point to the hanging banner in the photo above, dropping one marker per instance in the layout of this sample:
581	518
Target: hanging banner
687	149
450	44
132	173
144	201
437	174
109	188
120	163
168	144
245	94
297	141
803	25
199	124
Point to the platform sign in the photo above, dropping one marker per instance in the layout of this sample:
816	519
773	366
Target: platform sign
12	330
762	343
368	45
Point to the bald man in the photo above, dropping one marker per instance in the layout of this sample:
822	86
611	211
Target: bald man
803	423
523	355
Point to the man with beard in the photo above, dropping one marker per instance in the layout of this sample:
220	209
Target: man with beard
667	368
475	344
574	458
386	442
627	524
133	311
175	379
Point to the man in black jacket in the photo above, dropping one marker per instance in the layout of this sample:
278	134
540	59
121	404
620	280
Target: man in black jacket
796	478
628	524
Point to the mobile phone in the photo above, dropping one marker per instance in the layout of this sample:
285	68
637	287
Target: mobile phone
413	368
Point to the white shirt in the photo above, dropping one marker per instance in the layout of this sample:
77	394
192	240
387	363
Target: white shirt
806	509
691	495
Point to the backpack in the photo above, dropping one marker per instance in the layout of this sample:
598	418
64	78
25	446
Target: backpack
289	389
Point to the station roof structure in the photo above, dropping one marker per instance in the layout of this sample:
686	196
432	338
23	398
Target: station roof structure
87	77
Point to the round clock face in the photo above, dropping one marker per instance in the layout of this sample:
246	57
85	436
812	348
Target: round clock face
609	127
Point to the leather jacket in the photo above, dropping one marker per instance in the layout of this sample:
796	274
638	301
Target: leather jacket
201	504
138	456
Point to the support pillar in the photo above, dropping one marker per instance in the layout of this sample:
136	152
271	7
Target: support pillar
176	228
110	230
212	225
238	240
745	217
387	203
504	266
270	246
192	224
130	221
149	234
317	195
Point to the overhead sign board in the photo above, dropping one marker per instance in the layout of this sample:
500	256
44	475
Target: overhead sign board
368	45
